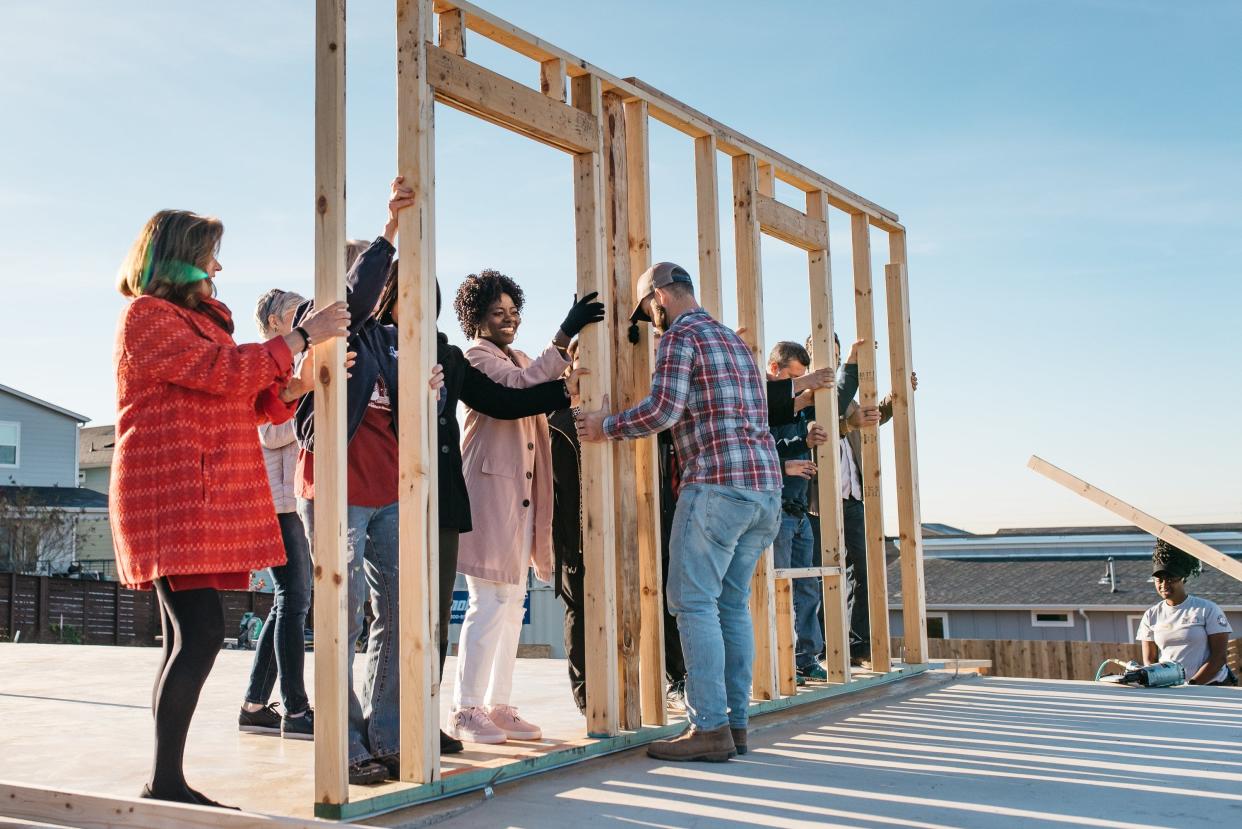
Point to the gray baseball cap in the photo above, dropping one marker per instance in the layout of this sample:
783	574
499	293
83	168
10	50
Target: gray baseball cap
659	275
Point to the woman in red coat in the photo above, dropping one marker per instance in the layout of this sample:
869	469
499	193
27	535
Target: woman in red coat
190	506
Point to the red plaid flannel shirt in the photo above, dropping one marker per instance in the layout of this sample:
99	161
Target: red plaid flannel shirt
707	388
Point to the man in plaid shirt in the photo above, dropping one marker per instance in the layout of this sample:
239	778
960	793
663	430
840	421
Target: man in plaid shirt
708	390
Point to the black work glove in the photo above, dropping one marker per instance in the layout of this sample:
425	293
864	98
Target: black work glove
584	312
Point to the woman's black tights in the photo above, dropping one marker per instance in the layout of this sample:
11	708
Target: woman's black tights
193	624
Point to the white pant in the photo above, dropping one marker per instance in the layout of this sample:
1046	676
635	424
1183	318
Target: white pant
487	647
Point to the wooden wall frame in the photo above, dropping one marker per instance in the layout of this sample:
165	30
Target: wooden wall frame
600	121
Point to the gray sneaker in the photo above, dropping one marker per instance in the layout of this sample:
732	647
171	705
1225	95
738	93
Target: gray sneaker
263	721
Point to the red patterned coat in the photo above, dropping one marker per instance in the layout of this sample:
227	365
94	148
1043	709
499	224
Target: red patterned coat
189	491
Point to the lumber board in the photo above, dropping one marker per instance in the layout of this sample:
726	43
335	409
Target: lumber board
804	572
827	458
868	395
331	574
750	317
595	349
905	453
782	222
707	208
418	510
552	79
786	659
1144	521
453	32
491	96
670	111
647	469
94	811
630	388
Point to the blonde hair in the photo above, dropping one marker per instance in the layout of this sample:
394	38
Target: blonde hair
354	249
168	242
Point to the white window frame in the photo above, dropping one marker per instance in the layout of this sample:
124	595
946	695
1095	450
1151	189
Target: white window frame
17	450
1132	623
1036	622
944	622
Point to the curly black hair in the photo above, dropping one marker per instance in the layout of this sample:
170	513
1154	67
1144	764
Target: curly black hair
480	290
1174	561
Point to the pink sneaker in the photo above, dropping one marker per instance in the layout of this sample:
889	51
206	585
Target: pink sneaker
474	726
505	717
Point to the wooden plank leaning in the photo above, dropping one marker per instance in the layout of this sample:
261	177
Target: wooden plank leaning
331	575
1205	553
418	503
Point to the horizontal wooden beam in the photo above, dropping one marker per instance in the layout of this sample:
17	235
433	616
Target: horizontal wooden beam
93	811
471	88
670	111
790	225
1140	519
804	572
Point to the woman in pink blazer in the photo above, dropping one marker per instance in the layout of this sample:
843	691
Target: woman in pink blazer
508	470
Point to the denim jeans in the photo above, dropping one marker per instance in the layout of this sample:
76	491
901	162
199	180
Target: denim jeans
281	650
719	532
795	547
371	549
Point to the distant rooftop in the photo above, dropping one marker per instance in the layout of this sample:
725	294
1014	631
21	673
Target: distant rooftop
1059	583
95	445
62	497
946	531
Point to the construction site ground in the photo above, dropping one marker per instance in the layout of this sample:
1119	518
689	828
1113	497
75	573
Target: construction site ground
936	750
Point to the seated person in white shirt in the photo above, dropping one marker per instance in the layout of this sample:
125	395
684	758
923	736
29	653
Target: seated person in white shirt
1181	628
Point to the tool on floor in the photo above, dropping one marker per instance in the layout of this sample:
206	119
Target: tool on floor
1160	675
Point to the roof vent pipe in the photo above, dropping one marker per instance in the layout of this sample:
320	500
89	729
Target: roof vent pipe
1109	577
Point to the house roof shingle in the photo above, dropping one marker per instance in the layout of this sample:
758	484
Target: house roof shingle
60	497
95	445
1052	583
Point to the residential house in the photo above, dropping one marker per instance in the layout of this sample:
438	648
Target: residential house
1058	583
45	518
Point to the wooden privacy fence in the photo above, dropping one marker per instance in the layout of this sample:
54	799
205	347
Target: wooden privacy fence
50	609
1041	659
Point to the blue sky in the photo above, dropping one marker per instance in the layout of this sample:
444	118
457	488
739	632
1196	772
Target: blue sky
1069	173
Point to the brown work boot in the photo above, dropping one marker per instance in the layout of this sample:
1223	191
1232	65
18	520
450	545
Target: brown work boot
739	739
715	746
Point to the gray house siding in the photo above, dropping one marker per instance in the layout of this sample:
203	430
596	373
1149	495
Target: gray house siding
97	478
48	448
1106	625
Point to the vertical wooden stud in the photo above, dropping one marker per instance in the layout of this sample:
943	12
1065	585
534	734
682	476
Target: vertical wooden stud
905	451
595	348
707	198
629	389
418	509
827	457
453	32
331	574
767	180
750	317
647	467
868	395
552	78
786	637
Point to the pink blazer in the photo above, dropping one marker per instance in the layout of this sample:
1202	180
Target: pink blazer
508	470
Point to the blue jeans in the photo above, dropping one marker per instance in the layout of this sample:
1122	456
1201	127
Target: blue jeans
795	547
281	650
718	534
371	548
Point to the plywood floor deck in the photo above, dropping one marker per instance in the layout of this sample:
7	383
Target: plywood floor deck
78	718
